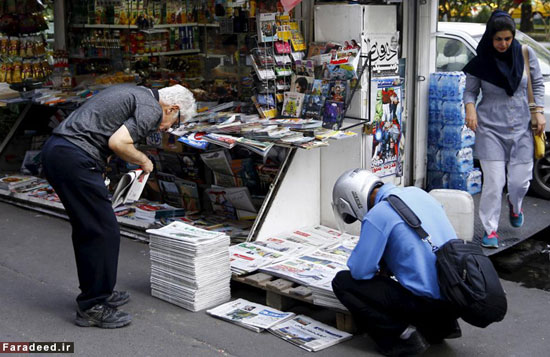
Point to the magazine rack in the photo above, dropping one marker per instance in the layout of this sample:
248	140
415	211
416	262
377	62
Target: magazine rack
365	65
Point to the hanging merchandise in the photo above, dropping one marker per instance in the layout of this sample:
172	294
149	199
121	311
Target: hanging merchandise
22	44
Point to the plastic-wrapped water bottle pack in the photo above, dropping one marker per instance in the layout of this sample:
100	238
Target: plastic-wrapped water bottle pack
450	156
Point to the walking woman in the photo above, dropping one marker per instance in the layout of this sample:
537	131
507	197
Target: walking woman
502	120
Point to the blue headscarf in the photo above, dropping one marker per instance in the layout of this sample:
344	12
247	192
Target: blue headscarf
501	69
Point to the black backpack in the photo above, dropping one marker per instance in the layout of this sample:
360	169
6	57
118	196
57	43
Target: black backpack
466	276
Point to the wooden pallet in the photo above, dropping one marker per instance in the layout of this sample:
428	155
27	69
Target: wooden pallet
282	294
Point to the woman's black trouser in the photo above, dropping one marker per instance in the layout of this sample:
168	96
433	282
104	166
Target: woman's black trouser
384	308
77	179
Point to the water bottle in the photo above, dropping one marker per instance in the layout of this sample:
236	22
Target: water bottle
433	88
450	137
453	160
438	179
452	112
468	136
455	136
434	105
469	181
434	133
434	158
473	184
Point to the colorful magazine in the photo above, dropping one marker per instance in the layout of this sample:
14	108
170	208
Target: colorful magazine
267	30
292	105
332	115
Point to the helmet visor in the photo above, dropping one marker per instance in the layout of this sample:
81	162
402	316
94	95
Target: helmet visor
340	224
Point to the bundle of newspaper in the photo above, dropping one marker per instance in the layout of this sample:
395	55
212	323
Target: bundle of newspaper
189	266
255	317
322	293
309	334
249	257
318	268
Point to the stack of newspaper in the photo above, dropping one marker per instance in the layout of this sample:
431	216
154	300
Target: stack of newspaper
189	266
322	292
309	334
250	315
316	269
248	257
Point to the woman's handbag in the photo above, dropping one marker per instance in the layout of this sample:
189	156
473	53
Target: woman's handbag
540	145
540	140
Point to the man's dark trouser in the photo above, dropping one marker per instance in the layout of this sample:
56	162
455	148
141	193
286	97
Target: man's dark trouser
77	179
384	308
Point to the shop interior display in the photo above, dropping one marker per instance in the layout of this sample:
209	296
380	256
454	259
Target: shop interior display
23	55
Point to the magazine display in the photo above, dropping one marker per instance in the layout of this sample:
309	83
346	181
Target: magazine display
189	266
255	317
309	334
16	181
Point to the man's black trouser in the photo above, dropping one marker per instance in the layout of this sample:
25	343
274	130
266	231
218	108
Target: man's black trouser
77	179
384	308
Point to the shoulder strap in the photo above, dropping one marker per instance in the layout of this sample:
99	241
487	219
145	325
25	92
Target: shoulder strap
406	213
530	95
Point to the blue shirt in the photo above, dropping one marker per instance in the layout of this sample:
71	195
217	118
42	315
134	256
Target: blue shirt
384	235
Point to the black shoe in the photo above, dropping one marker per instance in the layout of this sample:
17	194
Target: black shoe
102	315
412	346
453	332
118	298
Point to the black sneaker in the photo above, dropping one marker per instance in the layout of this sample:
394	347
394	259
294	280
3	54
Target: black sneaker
102	315
118	298
452	332
412	346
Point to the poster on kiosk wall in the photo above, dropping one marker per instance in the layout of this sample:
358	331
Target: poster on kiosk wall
383	49
386	126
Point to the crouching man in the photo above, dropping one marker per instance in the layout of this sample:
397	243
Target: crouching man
391	289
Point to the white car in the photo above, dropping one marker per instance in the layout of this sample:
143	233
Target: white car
456	46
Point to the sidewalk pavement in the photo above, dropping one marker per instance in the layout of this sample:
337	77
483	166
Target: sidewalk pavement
38	287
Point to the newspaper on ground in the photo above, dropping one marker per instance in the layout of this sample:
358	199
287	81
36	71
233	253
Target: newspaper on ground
255	317
308	333
189	266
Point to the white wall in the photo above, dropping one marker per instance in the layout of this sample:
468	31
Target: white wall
297	202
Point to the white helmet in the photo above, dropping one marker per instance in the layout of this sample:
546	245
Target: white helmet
350	195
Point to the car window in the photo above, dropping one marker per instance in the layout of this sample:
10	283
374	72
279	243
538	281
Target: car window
452	54
542	53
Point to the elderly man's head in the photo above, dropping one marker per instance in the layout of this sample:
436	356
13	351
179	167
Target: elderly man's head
177	103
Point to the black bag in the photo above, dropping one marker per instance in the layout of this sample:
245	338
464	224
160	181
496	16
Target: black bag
466	276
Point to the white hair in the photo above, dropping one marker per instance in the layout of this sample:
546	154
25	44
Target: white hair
182	97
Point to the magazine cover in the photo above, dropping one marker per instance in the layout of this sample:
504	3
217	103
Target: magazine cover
267	30
292	105
190	195
332	115
313	106
296	40
320	87
338	91
386	114
301	84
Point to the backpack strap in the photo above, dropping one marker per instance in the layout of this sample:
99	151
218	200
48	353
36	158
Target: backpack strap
407	214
